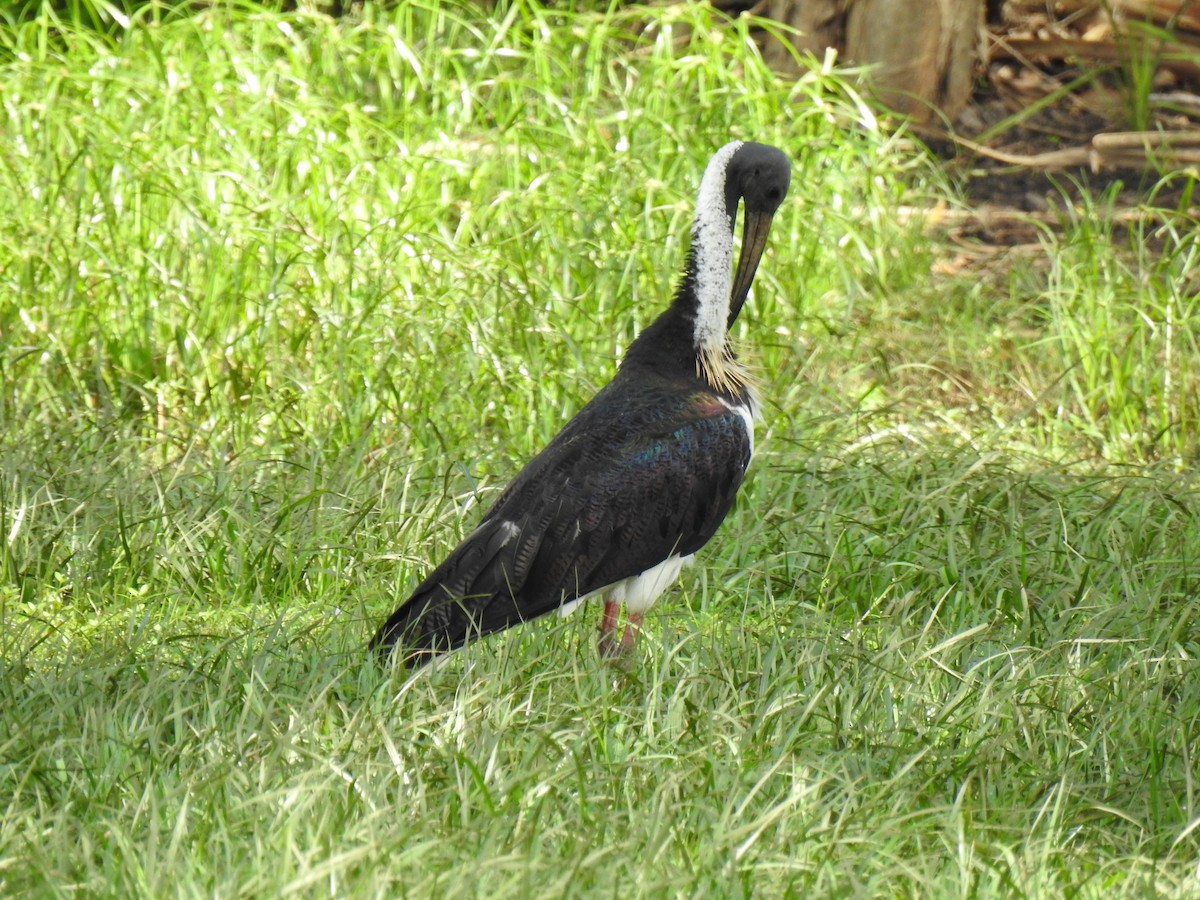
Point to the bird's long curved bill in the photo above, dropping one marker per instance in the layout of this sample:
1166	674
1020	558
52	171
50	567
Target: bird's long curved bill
755	227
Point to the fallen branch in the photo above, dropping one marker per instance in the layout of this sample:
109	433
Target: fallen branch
1109	150
1178	56
1181	14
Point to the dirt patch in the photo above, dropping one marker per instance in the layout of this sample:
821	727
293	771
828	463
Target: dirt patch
1082	97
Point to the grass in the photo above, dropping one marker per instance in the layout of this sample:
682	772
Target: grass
283	301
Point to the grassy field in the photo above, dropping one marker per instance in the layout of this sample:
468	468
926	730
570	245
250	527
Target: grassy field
284	302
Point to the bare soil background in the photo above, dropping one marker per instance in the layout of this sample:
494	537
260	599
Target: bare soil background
1078	95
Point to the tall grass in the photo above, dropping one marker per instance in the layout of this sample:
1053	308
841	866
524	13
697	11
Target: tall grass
284	301
1120	313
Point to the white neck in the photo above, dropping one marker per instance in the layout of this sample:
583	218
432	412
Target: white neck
712	252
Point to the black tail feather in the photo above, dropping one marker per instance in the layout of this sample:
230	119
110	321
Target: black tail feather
424	627
468	595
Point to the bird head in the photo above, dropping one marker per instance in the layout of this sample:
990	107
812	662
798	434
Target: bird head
758	176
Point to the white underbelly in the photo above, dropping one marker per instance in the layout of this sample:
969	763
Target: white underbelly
638	592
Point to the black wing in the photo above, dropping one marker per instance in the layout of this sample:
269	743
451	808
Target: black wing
614	494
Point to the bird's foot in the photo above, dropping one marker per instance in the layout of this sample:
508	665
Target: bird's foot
609	645
619	652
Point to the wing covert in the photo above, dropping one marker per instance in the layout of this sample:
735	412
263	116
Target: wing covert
615	510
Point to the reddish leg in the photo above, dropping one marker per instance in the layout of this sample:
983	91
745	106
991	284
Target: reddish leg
610	647
619	652
632	628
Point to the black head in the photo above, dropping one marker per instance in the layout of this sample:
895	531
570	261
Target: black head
759	176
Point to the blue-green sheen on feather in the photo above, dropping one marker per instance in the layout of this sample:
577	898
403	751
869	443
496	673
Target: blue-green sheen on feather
687	439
